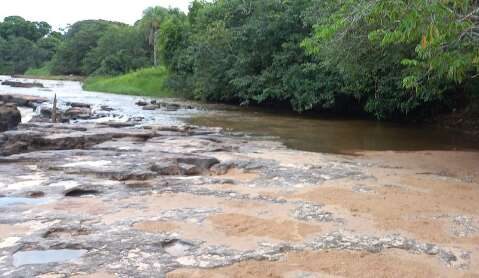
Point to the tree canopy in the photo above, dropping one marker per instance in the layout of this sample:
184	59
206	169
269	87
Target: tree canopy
25	44
390	59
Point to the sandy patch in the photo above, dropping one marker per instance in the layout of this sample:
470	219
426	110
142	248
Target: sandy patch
155	226
238	225
333	263
402	201
240	175
237	231
460	164
90	206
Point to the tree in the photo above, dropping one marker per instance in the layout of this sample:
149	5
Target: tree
120	50
150	24
81	38
24	44
398	55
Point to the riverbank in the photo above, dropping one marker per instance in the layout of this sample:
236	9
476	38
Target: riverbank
145	82
187	201
123	191
51	77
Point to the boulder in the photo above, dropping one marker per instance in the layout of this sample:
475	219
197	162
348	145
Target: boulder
141	102
10	117
77	113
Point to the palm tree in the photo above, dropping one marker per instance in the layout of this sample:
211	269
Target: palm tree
150	23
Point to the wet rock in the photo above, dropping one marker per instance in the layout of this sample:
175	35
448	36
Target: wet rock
79	105
36	194
106	108
136	119
61	137
150	107
177	247
78	192
65	232
10	116
77	113
172	107
168	106
23	100
17	84
117	124
141	102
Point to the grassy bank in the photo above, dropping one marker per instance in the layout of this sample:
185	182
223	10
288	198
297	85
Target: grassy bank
144	82
44	73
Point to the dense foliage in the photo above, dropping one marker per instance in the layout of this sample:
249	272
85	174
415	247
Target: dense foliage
387	58
101	48
401	55
25	44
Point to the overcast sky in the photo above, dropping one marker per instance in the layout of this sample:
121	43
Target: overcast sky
59	13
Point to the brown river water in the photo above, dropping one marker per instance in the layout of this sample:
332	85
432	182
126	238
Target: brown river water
334	135
316	134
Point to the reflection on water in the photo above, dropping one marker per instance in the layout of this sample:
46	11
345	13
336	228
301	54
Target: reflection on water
303	133
336	135
16	201
47	256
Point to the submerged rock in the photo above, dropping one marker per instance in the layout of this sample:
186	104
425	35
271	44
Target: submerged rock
150	107
79	104
17	84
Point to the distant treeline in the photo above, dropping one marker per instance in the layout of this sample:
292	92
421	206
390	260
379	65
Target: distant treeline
390	59
90	47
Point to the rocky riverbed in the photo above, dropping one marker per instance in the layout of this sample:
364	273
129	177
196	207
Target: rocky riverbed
135	199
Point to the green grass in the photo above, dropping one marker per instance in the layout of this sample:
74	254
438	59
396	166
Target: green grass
43	71
144	82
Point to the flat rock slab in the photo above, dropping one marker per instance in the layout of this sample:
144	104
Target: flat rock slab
166	201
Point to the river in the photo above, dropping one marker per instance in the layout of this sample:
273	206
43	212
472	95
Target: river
317	134
167	199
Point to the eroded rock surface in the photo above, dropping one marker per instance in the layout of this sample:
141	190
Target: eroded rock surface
185	201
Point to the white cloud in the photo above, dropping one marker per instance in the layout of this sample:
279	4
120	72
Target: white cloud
59	13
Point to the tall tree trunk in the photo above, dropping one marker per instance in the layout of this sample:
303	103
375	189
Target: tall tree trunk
155	55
